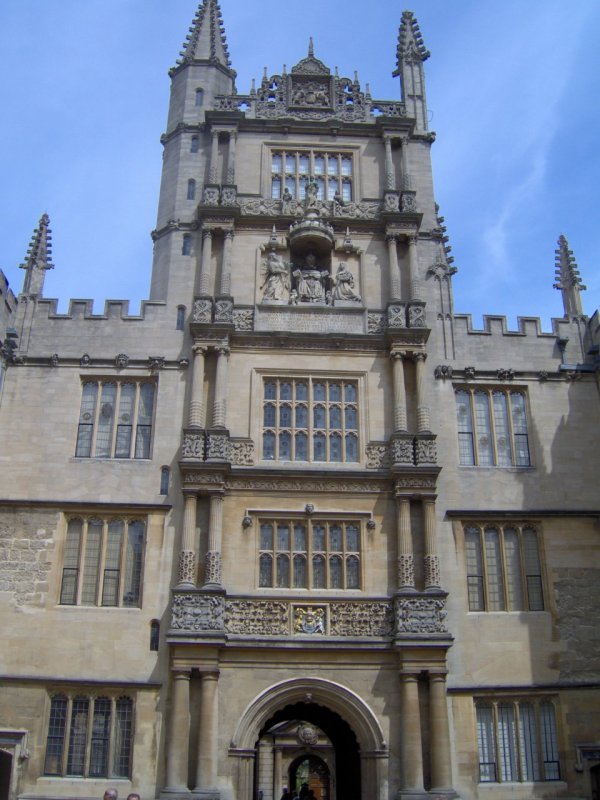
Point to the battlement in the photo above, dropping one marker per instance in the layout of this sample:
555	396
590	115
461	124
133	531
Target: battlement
113	309
494	324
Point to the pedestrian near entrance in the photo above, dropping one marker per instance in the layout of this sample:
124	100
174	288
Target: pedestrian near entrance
133	796
111	794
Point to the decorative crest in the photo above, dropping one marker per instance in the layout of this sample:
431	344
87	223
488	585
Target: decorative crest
568	279
38	258
206	38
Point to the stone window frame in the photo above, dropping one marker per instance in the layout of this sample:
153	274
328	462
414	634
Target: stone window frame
349	580
102	564
311	377
517	739
499	438
504	572
89	734
294	180
103	434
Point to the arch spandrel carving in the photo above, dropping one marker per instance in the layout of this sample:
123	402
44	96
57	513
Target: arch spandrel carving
334	696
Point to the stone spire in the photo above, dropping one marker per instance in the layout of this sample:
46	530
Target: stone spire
410	55
38	259
206	38
568	279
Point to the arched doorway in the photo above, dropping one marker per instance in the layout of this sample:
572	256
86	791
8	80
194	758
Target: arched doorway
359	763
5	774
311	772
595	778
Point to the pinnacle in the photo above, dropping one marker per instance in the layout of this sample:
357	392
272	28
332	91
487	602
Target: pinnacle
568	279
206	39
410	41
39	253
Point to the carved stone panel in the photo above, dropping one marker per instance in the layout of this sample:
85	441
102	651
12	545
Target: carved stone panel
202	311
217	445
310	619
423	615
193	445
198	612
257	617
224	310
396	315
360	619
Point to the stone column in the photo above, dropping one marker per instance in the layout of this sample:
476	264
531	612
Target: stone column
225	287
392	241
196	415
220	402
265	769
278	784
206	773
406	181
441	769
432	567
179	732
205	263
390	178
212	568
412	753
214	156
406	565
187	555
413	267
230	174
400	421
423	423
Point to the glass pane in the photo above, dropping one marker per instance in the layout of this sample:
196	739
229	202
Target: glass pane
112	562
351	447
68	592
290	185
285	416
493	564
318	563
319	165
87	416
465	429
333	187
134	559
276	188
351	418
276	162
319	391
319	447
503	448
335	447
265	578
303	165
301	390
300	578
335	573
123	441
352	573
335	417
519	418
106	420
530	770
319	416
270	391
346	166
91	562
285	446
346	191
318	537
474	564
332	165
549	742
123	740
269	446
142	441
352	545
507	742
533	570
335	392
301	417
290	163
83	448
285	391
283	537
283	572
486	744
56	736
100	738
512	560
300	538
269	415
266	536
335	538
146	404
482	417
301	453
77	737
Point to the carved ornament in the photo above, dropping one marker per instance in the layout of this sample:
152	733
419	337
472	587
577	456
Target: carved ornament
420	615
198	612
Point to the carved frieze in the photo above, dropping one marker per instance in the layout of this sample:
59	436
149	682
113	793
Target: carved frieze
361	619
299	319
198	612
375	323
409	202
378	455
228	196
212	567
224	310
416	315
396	315
193	445
217	445
425	450
121	361
210	196
402	450
187	566
391	202
257	617
241	452
202	310
420	615
443	371
243	319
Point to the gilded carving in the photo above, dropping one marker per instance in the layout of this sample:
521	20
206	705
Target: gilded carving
309	619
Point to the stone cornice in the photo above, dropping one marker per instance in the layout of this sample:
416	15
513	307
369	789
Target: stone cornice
87	506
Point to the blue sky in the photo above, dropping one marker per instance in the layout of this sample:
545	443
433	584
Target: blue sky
512	90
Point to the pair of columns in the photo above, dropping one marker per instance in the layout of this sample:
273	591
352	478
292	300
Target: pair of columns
411	747
213	166
406	559
390	175
204	280
400	419
178	742
187	555
394	266
196	417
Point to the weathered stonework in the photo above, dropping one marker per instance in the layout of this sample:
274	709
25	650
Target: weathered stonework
27	541
578	605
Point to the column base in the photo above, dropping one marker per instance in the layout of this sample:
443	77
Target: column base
175	793
206	794
432	794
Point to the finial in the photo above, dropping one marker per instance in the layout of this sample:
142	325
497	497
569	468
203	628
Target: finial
355	76
206	39
284	69
311	50
264	72
337	74
568	279
38	258
253	87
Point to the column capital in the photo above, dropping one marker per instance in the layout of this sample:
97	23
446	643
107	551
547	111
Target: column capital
412	238
419	355
222	350
391	237
199	349
207	233
229	234
398	355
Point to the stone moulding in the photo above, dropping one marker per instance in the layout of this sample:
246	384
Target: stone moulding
197	612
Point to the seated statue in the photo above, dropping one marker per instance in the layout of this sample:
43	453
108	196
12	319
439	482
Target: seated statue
343	285
310	281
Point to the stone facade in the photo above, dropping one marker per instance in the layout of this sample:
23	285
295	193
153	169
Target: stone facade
297	520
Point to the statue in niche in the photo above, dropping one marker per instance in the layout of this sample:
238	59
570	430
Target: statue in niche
310	281
286	201
343	285
311	193
277	278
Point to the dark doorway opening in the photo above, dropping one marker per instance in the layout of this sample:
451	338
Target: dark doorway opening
595	776
310	772
5	774
347	779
